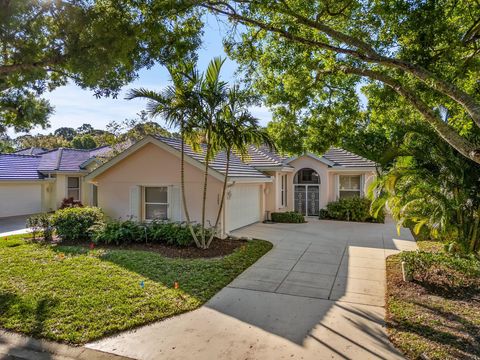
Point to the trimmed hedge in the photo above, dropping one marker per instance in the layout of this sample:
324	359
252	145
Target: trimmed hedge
288	217
126	232
75	223
351	209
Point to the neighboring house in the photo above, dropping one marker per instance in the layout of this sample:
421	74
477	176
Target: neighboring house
143	182
37	180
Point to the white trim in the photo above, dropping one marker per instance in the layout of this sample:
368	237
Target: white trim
144	202
313	156
356	169
247	180
79	188
275	168
26	181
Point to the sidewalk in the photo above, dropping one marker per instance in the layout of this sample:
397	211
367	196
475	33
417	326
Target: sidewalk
15	346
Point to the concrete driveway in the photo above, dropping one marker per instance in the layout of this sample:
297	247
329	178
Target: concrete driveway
318	294
13	225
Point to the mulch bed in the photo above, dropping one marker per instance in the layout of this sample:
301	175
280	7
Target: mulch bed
426	324
218	248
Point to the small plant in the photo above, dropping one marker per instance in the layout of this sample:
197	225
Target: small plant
41	223
351	209
288	217
76	223
70	202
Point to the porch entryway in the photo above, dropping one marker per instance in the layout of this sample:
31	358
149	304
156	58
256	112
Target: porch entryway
307	192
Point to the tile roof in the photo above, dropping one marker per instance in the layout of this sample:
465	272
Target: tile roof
65	159
237	167
347	159
19	167
31	151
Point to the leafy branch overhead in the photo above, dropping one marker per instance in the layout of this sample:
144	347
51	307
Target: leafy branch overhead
98	45
309	56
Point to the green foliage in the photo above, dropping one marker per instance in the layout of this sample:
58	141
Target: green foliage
288	217
351	209
433	190
127	232
41	223
84	142
98	45
75	223
442	269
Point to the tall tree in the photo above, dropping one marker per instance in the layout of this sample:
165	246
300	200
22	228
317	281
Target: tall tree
67	133
309	57
236	130
178	105
97	44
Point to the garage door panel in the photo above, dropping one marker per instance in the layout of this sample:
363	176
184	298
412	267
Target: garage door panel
244	206
20	199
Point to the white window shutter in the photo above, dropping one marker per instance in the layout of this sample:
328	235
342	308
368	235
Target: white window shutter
175	203
362	185
337	186
135	202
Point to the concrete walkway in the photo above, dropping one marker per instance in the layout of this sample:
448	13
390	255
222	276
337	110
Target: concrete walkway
318	294
13	225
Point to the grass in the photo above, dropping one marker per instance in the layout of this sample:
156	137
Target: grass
74	295
427	322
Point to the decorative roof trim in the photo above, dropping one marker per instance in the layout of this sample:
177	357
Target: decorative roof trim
313	156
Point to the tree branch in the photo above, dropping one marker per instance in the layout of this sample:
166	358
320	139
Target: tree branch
458	142
13	68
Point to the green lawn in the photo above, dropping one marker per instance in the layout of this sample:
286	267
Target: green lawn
73	295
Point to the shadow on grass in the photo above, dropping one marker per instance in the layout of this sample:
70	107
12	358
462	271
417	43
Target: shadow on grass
38	312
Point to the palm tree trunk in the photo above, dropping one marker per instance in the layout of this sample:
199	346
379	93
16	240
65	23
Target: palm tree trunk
225	181
204	198
473	239
182	181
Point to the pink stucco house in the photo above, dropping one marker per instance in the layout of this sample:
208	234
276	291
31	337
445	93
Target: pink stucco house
143	182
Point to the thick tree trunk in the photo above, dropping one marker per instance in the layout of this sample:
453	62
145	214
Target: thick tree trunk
222	201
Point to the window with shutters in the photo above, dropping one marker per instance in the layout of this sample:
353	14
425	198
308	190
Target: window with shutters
156	203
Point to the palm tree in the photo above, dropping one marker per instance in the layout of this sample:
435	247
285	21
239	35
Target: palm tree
178	105
236	130
212	97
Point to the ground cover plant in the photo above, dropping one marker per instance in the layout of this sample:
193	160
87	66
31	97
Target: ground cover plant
74	294
436	315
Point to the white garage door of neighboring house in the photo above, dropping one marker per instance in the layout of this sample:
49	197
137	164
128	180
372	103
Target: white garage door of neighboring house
20	199
244	206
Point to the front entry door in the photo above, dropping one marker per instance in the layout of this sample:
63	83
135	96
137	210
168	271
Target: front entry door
307	199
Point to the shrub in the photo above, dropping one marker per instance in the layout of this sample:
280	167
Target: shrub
41	223
70	202
288	217
442	270
126	232
118	232
75	223
350	209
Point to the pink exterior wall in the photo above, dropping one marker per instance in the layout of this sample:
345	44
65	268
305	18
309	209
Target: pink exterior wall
153	166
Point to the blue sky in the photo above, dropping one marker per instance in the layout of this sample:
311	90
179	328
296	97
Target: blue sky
74	106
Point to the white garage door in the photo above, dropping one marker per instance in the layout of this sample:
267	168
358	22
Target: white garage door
244	206
20	199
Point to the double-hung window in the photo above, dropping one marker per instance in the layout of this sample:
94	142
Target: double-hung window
156	203
349	186
73	188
